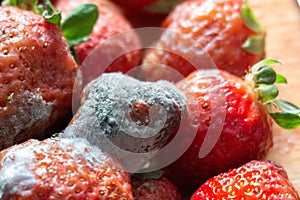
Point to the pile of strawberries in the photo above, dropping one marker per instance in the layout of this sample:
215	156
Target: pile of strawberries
68	131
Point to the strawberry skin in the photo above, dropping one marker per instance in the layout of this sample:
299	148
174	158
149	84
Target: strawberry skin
149	189
216	26
109	24
230	103
253	180
61	169
37	74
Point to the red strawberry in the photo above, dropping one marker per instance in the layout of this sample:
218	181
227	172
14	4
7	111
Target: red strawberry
110	23
149	189
37	74
224	30
253	180
233	124
61	169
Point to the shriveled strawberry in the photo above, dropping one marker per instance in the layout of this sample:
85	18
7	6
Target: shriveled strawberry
110	23
127	118
37	74
61	169
253	180
149	189
233	123
224	30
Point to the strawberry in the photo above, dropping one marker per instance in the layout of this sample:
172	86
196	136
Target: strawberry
232	121
110	23
253	180
199	32
61	169
127	118
151	188
37	74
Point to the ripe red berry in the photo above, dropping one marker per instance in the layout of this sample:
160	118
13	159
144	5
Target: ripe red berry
240	126
233	120
224	30
253	180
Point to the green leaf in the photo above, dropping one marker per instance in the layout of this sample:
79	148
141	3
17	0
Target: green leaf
267	93
10	97
255	44
9	3
51	15
280	79
286	106
265	75
286	120
250	19
55	135
79	24
46	9
54	19
22	4
263	63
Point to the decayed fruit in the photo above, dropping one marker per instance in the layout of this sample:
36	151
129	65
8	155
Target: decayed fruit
224	30
127	117
37	74
234	126
150	188
110	24
253	180
61	169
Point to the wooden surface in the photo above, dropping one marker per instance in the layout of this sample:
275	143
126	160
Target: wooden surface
281	20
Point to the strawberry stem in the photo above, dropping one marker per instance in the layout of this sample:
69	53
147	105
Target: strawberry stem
284	113
46	9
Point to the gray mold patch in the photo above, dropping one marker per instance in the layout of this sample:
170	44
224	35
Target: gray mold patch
106	120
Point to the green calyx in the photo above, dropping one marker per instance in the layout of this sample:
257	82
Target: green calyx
46	9
285	114
254	44
75	28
